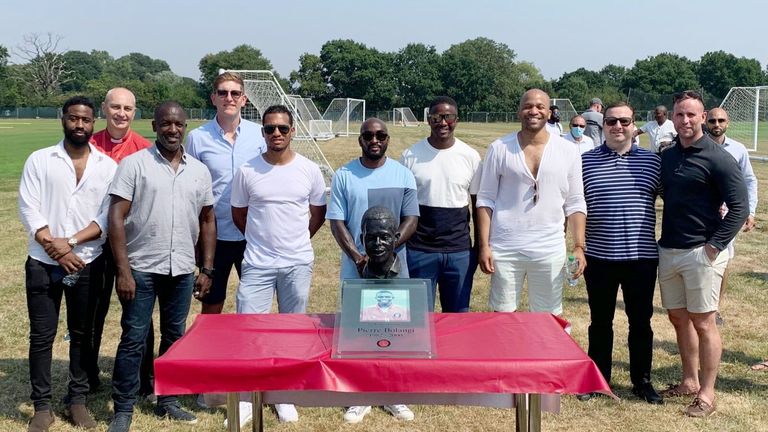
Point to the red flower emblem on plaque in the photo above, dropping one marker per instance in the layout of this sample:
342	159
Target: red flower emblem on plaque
383	343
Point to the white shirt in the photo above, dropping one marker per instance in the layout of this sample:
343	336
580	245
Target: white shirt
555	129
586	144
278	199
49	194
657	134
740	153
507	188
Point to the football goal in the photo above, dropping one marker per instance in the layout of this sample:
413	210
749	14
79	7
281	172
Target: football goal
404	117
318	128
263	90
567	111
346	115
747	109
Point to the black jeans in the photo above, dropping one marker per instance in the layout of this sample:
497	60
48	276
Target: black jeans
638	281
99	309
44	291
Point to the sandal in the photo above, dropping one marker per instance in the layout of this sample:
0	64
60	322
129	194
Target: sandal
763	365
673	391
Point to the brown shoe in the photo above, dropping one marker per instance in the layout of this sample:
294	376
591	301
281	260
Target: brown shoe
79	416
699	408
41	421
673	391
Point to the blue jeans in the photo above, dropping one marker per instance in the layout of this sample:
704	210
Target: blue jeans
450	272
174	295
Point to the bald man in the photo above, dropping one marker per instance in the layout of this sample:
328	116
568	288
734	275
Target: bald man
118	140
661	131
717	125
530	184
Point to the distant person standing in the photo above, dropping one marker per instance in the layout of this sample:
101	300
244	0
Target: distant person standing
447	178
63	209
661	131
553	123
594	118
717	125
576	135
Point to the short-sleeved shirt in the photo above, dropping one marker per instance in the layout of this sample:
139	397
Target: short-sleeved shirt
445	179
119	149
594	127
278	199
658	134
355	189
207	144
162	225
586	144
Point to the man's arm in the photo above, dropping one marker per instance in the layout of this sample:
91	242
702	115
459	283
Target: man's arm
473	212
729	180
406	229
484	256
240	217
578	223
207	245
316	218
125	286
58	247
347	244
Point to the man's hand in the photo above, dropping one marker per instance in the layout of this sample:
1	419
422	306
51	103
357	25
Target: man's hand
360	264
749	225
711	252
485	259
125	287
57	248
71	262
578	253
202	286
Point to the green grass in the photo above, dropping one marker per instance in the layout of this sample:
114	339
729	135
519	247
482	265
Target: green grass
742	394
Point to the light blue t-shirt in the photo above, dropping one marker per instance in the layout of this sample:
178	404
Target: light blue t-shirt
355	189
207	144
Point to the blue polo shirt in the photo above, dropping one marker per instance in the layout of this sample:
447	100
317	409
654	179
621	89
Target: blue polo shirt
207	144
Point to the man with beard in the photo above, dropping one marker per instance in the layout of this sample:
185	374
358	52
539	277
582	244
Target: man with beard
553	123
284	191
447	177
531	182
161	205
717	125
117	141
64	212
369	181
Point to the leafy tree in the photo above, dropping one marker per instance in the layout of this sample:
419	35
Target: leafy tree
417	76
82	67
719	71
309	81
136	66
242	57
664	73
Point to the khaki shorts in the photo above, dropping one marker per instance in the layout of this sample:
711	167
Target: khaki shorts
689	280
545	282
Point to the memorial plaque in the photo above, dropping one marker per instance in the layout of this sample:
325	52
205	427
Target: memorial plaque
384	318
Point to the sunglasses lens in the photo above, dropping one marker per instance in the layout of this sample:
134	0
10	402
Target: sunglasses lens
284	129
235	93
381	136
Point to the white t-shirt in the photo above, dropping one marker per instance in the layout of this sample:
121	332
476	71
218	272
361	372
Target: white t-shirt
586	144
555	128
507	187
658	134
278	199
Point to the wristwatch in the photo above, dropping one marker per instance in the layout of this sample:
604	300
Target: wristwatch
207	271
72	242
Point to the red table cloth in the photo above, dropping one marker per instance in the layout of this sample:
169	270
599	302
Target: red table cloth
476	353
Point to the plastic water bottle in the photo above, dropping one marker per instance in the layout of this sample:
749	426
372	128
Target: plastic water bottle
572	266
71	279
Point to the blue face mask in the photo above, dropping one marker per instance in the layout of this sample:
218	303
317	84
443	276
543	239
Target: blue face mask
577	132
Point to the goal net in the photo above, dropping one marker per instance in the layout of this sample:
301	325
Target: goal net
346	115
404	117
747	109
263	90
567	111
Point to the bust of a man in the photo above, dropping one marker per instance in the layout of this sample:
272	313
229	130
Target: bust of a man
379	236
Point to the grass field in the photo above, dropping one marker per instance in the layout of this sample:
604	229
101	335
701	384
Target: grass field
742	394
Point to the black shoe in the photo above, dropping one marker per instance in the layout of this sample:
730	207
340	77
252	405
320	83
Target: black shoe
174	412
647	393
586	396
121	422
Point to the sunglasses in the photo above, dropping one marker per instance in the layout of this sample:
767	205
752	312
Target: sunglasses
380	135
611	121
578	125
715	121
236	94
535	188
449	118
270	129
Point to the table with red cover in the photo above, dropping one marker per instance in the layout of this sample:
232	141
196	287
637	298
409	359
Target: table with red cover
481	357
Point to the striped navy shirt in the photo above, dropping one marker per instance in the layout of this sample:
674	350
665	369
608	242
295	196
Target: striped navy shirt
621	191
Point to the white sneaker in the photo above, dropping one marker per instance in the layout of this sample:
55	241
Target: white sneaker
246	414
286	413
201	401
355	414
401	412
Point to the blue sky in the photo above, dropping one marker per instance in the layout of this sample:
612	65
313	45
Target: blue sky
557	36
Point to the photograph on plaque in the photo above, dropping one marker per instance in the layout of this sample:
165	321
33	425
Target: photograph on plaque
384	318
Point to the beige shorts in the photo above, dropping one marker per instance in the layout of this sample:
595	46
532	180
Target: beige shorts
689	280
545	282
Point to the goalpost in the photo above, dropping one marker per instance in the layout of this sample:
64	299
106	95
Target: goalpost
747	109
404	117
346	115
567	111
319	128
263	90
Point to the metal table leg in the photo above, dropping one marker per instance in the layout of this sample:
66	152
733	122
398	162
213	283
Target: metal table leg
233	412
257	424
521	410
534	413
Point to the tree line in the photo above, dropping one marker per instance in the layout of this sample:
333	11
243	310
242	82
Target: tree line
481	74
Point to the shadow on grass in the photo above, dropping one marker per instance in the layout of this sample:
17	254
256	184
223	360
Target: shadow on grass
763	277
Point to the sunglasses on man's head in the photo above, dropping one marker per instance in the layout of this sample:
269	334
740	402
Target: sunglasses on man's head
716	120
437	118
270	129
235	93
380	135
611	121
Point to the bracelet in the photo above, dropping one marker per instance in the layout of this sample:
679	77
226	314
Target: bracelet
580	246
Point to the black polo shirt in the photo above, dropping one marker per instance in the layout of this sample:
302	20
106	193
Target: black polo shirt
695	182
